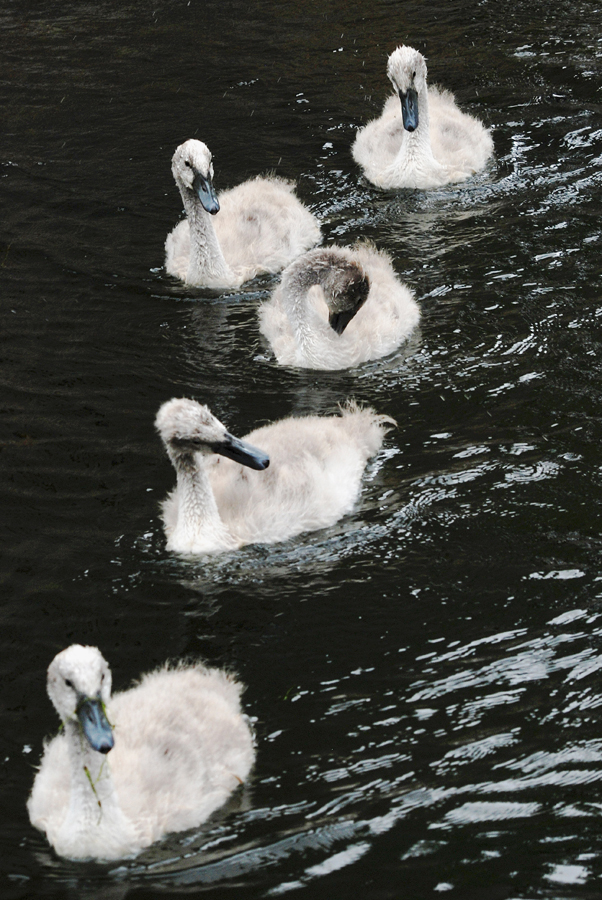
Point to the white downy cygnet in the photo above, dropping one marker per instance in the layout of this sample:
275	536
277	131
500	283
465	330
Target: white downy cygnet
314	475
422	139
128	769
336	307
257	227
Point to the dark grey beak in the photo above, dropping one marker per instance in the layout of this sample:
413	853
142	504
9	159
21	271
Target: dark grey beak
95	725
340	320
206	193
409	109
241	452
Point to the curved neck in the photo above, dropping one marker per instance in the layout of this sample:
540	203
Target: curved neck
199	527
206	264
308	311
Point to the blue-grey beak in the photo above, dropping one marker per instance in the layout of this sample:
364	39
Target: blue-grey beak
409	109
206	193
95	725
241	452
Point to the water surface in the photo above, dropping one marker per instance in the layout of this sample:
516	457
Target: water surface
425	675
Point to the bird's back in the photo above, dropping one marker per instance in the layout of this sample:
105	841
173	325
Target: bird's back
182	745
262	225
459	141
316	465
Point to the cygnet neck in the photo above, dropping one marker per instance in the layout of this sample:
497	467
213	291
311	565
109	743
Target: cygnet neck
307	307
415	153
93	794
416	142
199	527
206	264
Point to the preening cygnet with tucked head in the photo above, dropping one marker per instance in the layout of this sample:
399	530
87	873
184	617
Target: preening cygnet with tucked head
255	228
126	770
336	307
422	139
314	475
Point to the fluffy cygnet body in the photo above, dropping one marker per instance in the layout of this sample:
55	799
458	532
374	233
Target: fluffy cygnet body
422	139
257	227
336	307
314	475
181	745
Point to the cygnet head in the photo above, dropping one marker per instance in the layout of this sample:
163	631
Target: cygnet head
193	171
188	427
406	70
346	290
79	685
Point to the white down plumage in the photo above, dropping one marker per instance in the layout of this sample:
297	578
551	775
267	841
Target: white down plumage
336	307
314	475
422	139
257	227
126	770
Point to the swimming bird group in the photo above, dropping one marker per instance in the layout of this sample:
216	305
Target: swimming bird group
129	768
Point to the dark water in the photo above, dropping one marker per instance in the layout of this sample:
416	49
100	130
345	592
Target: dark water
427	675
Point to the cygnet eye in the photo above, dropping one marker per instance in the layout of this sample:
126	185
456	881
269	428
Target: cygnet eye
413	74
186	163
69	683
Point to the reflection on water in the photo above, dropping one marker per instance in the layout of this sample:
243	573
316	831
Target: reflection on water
425	675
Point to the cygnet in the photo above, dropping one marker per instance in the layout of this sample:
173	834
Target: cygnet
422	139
336	307
257	227
127	769
219	503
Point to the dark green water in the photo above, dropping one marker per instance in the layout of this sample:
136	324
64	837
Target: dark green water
427	675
